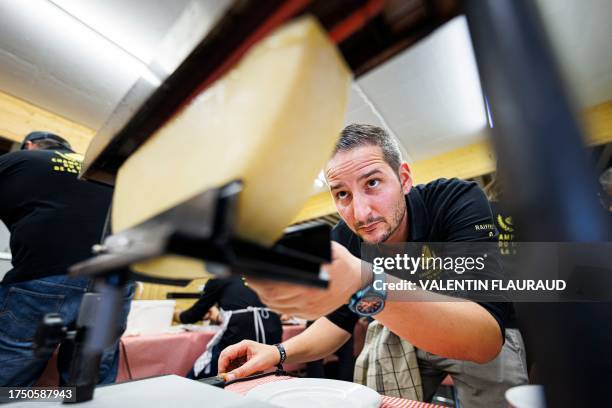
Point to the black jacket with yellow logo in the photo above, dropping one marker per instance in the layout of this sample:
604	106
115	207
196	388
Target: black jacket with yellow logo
53	217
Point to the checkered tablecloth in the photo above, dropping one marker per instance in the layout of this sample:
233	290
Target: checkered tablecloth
387	402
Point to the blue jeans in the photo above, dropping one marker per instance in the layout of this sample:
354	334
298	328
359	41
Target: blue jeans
22	307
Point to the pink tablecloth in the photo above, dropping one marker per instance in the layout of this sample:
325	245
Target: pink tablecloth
387	402
147	356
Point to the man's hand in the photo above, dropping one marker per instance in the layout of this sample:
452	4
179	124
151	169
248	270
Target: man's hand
177	315
246	358
213	315
310	303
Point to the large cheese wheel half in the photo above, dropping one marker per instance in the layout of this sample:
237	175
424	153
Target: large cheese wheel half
272	122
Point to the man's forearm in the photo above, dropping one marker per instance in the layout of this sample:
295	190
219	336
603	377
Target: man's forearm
456	329
319	340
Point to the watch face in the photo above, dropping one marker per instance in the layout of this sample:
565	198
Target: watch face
369	305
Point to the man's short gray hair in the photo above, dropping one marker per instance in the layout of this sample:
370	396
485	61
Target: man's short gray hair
357	135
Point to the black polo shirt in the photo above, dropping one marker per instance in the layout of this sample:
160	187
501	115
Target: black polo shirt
440	211
53	217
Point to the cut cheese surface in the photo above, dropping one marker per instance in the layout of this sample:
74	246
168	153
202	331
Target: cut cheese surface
272	122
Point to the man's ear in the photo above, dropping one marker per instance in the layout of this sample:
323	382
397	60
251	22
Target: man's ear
405	177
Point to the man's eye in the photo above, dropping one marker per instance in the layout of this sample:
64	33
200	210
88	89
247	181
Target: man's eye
341	195
373	183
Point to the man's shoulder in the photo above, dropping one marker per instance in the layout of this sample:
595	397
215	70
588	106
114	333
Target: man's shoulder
341	233
15	161
12	156
445	187
25	155
458	210
442	193
37	163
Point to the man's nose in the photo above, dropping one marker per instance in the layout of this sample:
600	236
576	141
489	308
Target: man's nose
361	209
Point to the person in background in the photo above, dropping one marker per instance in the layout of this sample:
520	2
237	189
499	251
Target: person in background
340	369
54	219
242	317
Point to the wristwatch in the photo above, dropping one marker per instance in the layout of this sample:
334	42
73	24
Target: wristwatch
369	301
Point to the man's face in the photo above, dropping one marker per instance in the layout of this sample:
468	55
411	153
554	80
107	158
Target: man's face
31	146
368	194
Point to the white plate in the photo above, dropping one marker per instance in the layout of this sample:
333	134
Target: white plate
526	396
316	392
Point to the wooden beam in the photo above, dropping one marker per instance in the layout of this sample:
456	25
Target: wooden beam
317	205
465	162
153	291
598	124
18	118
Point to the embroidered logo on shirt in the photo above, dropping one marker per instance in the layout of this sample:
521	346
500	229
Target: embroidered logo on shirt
481	227
505	223
506	236
67	162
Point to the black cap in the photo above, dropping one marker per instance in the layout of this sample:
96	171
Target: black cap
34	136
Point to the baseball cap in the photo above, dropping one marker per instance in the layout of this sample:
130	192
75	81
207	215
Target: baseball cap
34	136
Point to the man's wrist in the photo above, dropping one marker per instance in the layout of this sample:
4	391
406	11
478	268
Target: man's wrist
368	300
177	316
282	353
365	277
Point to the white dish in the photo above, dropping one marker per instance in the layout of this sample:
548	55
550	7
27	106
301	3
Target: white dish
316	392
526	396
149	316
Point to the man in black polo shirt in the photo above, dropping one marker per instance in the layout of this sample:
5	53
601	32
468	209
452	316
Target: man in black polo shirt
54	219
373	192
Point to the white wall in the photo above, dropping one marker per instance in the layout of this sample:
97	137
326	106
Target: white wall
5	265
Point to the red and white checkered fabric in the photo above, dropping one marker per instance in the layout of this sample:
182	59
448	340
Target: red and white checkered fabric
387	402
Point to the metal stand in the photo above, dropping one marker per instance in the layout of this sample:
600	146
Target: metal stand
550	186
201	228
92	335
97	329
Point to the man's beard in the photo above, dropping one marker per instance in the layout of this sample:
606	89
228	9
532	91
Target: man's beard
399	212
